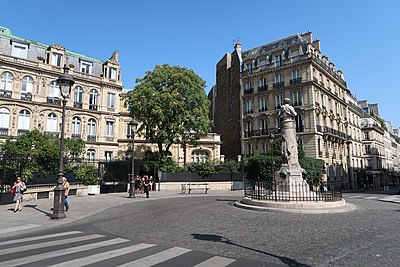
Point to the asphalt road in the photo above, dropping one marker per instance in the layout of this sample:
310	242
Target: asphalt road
368	236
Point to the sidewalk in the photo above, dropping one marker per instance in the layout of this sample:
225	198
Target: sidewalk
37	213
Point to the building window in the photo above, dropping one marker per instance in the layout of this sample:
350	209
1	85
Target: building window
76	126
278	101
263	126
278	78
366	135
24	120
250	150
51	125
110	100
249	129
200	156
6	81
91	155
19	50
93	96
56	59
295	74
92	127
299	123
4	118
54	89
27	85
249	106
278	60
296	98
367	149
109	128
78	94
112	73
108	155
263	104
86	67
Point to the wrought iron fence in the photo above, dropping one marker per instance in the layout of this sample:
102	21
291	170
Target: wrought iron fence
272	190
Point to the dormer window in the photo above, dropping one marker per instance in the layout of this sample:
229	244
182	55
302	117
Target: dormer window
86	67
56	59
112	73
19	50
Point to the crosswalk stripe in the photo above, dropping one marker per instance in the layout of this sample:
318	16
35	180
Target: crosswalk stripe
47	244
157	258
353	197
216	261
370	197
103	256
43	256
34	238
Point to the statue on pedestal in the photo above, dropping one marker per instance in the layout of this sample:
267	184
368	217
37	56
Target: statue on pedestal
291	170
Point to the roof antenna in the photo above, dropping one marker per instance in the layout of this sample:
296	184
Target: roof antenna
236	41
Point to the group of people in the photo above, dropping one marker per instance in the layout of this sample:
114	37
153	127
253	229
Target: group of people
19	188
143	184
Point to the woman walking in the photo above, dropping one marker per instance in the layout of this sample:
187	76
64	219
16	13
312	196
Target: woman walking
19	187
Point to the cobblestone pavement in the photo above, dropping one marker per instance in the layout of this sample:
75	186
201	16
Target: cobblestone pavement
367	236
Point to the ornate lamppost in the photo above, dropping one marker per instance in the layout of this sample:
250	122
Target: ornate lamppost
131	134
271	143
65	81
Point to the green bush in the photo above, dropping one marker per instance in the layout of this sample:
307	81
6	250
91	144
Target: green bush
86	173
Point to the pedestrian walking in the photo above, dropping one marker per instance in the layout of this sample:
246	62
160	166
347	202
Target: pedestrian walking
146	185
66	192
18	189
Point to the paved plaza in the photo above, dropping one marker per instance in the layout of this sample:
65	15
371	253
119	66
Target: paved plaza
366	236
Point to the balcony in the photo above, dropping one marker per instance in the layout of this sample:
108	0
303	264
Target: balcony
5	93
54	134
26	96
53	100
278	84
110	138
249	111
78	104
263	109
263	88
22	131
91	138
75	136
297	103
248	91
248	134
3	131
295	81
92	107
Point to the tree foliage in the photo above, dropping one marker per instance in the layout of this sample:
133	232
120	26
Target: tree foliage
40	152
170	105
86	173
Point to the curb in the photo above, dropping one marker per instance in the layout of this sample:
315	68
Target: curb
347	208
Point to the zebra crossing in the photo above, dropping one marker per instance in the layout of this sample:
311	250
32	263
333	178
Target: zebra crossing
76	248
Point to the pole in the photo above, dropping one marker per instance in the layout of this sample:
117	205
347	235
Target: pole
132	181
58	207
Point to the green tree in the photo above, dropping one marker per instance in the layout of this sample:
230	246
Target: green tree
40	152
171	106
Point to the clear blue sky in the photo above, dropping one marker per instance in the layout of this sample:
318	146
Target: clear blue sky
360	37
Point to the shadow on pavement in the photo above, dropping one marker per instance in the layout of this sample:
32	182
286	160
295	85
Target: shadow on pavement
35	208
218	238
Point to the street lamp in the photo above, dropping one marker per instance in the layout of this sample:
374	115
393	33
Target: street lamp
131	134
65	81
271	141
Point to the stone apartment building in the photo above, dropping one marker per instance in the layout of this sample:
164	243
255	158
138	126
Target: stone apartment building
30	99
251	86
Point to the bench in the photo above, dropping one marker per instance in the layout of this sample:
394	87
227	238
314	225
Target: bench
200	186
